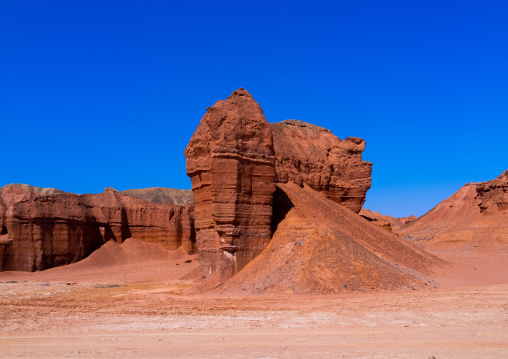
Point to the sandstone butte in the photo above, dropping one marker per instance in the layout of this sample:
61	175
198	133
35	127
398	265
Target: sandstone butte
44	228
244	172
471	221
231	163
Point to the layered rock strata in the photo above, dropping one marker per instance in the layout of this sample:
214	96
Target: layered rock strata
230	160
493	194
314	156
14	193
43	231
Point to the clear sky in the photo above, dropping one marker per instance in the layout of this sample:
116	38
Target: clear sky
97	94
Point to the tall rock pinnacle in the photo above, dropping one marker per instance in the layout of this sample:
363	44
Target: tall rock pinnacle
230	160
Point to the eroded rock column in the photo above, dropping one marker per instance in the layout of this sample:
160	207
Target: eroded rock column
230	160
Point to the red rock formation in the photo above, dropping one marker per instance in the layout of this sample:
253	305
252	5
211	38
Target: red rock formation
230	161
11	194
311	155
406	220
379	222
392	224
494	194
42	231
14	193
474	220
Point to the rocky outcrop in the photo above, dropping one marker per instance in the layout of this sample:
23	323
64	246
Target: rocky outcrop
494	194
379	222
43	231
391	224
179	197
230	161
474	220
314	156
14	193
235	158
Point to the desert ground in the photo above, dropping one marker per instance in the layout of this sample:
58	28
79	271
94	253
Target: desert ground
116	304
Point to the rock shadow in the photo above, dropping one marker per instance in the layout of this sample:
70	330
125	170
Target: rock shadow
125	230
281	207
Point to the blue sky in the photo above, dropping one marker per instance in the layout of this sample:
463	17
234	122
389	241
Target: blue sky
108	93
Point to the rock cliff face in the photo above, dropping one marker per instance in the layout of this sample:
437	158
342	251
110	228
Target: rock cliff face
314	156
230	161
494	194
14	193
44	231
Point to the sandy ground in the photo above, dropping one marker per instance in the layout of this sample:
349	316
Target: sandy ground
144	312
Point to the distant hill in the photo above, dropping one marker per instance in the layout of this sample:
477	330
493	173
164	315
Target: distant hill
38	190
473	220
179	197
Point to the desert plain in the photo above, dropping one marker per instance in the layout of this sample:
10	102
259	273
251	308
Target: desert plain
142	309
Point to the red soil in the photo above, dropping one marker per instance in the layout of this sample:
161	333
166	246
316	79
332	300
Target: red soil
322	247
131	261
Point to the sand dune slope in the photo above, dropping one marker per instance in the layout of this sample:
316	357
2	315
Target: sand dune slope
131	261
322	247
